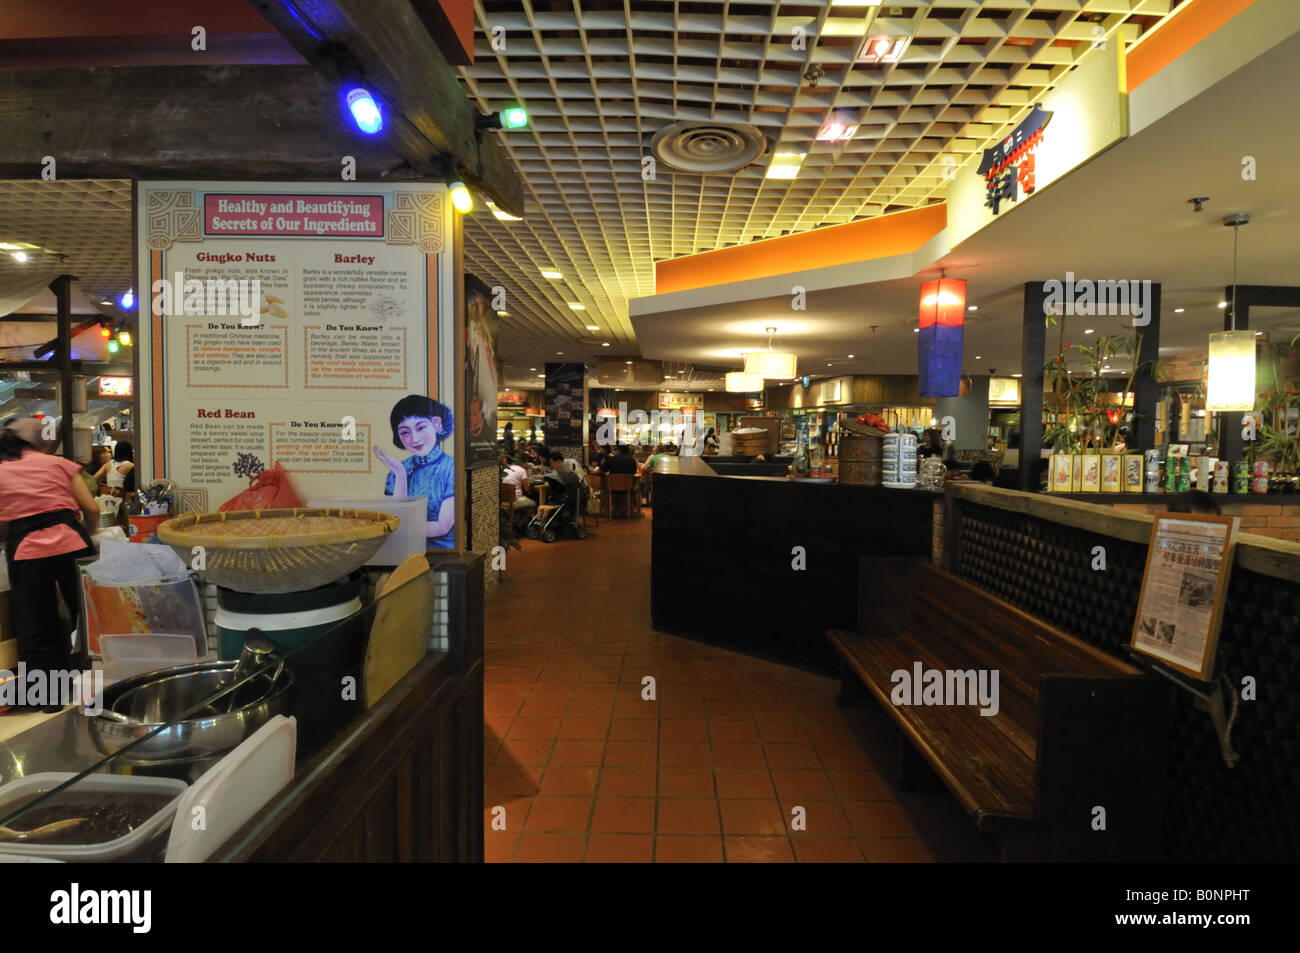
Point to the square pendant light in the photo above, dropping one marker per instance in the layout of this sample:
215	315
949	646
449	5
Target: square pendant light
1231	384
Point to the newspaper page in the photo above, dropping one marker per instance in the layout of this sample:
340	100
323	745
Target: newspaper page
1177	608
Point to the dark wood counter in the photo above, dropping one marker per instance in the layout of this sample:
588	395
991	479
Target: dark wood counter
723	556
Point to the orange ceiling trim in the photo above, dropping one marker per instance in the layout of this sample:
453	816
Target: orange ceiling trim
896	234
1188	25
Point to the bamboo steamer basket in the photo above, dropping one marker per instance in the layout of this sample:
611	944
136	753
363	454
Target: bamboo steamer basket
860	456
270	551
749	444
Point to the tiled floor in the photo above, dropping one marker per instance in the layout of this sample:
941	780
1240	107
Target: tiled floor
608	741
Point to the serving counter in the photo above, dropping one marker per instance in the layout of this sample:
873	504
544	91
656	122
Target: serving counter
767	564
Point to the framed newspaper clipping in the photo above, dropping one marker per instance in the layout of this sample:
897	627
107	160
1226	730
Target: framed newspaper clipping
1184	585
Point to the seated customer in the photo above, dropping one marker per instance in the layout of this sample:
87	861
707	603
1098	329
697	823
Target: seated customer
621	462
982	472
560	470
514	475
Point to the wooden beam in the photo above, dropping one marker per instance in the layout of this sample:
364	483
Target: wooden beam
429	120
223	122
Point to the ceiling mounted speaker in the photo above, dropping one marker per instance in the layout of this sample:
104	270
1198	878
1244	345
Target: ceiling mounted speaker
708	148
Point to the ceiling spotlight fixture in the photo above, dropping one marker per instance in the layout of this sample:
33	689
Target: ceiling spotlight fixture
850	357
574	306
627	362
604	344
1179	310
365	110
813	75
20	256
592	327
979	357
916	330
973	307
1198	203
514	117
503	314
553	275
1222	305
127	301
1087	330
882	49
836	130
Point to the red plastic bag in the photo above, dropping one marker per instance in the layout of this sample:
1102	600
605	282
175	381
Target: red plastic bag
269	490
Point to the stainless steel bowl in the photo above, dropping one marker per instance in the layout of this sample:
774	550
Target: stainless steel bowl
157	698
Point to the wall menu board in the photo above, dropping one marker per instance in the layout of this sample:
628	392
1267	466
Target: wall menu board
1180	608
291	323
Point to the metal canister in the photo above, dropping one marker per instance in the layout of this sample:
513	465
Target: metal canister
1151	478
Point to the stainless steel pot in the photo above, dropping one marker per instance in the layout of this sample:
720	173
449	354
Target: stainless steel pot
136	706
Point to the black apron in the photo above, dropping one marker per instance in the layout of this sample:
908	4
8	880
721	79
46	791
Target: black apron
19	529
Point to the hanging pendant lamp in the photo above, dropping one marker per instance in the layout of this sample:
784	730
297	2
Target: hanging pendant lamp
771	364
942	321
738	382
1231	384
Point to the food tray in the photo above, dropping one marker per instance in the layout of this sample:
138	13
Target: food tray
267	551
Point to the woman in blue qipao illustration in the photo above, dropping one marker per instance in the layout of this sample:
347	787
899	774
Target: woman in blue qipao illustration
420	424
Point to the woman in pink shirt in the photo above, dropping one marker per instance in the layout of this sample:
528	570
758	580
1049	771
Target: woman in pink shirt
40	496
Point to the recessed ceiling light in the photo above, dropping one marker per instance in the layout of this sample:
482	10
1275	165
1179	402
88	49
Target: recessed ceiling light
850	357
1259	334
1179	310
627	362
916	330
1222	305
836	130
979	357
554	275
503	314
667	376
973	307
604	344
1087	330
1017	375
882	49
559	352
574	306
532	368
785	165
592	327
19	255
541	375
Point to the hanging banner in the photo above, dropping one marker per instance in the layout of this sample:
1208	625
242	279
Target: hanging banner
480	376
305	325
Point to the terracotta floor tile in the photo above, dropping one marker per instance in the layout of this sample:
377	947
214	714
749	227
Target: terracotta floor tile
559	674
504	815
550	848
884	819
827	850
681	708
843	757
532	751
859	786
683	754
728	711
748	850
685	782
543	707
559	814
688	816
602	692
748	783
560	779
498	847
893	850
624	815
619	781
633	729
753	817
591	708
781	730
578	752
738	755
784	755
674	849
794	784
585	729
733	732
684	731
497	725
502	707
490	749
620	849
630	753
534	728
635	708
510	779
598	676
820	818
503	690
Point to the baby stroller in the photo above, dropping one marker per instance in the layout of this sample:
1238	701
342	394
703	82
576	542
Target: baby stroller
560	517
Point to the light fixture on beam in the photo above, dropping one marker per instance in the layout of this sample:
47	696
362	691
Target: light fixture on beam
365	110
461	200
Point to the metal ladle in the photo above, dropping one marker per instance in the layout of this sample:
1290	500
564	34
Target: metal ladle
257	654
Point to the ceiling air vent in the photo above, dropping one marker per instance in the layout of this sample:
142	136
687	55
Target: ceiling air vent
708	148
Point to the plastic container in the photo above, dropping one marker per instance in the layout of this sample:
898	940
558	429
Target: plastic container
167	605
134	653
409	538
233	790
121	848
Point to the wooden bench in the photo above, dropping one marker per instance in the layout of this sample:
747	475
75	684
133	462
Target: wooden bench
1076	729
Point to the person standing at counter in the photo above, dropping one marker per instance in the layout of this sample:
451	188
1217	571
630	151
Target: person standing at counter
40	499
420	424
117	472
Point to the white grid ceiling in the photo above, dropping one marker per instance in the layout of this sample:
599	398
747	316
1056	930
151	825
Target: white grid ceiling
600	77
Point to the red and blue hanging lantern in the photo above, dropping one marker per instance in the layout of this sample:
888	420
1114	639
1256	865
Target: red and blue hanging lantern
939	344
